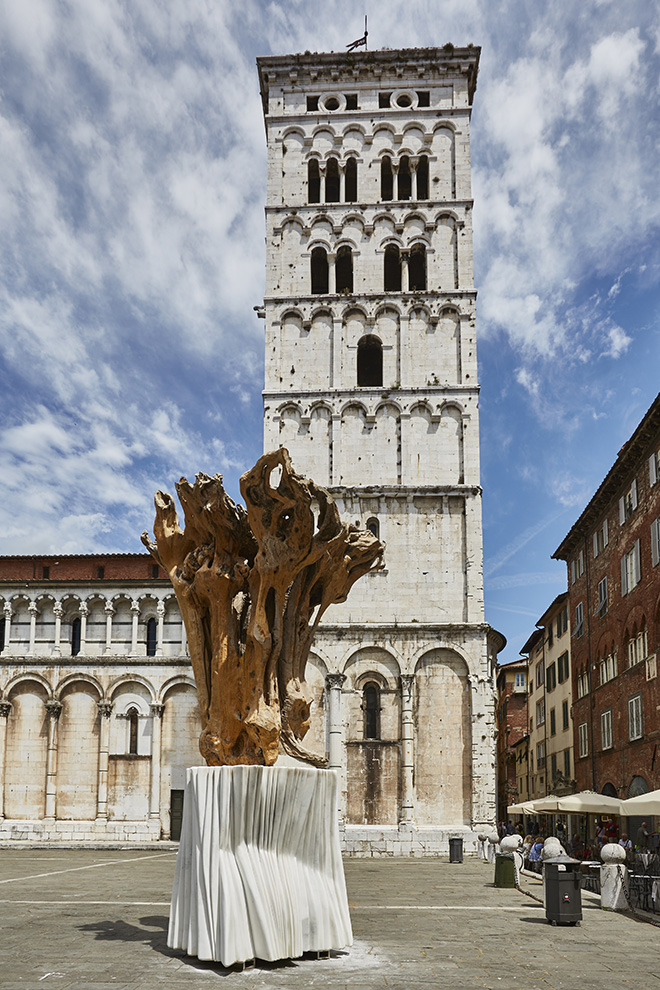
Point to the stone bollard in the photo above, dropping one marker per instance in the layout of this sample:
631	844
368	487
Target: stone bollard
552	847
613	875
493	841
482	839
511	844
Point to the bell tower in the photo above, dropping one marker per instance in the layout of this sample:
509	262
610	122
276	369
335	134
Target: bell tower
371	384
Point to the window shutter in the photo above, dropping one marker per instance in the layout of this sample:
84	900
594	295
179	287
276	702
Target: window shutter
572	572
596	544
653	472
622	511
624	575
655	542
638	561
633	493
605	536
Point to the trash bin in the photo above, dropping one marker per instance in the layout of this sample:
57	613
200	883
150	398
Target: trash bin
456	849
505	870
563	904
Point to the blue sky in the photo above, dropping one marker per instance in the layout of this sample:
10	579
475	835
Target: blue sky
132	183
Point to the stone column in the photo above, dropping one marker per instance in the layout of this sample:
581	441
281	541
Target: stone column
54	710
321	182
160	612
184	639
109	612
105	710
135	614
407	684
332	275
58	612
156	710
342	183
7	612
33	610
84	611
334	683
405	257
413	178
5	708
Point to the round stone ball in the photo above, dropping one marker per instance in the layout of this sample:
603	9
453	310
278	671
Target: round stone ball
612	852
510	843
482	836
494	838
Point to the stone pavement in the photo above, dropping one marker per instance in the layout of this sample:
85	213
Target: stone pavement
95	920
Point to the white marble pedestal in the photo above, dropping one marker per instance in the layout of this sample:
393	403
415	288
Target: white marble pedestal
259	871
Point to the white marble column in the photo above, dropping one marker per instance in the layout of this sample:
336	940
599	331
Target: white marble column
58	612
333	689
342	183
413	179
105	710
160	612
135	615
5	709
84	611
405	256
33	610
407	684
109	612
54	710
7	612
184	639
332	277
156	710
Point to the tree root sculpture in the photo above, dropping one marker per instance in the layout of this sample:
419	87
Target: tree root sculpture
252	585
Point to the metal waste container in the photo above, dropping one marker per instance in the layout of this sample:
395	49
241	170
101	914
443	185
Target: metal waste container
505	870
563	903
456	849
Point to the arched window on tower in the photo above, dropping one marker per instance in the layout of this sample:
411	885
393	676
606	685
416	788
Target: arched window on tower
417	269
405	182
386	179
75	636
370	362
350	181
423	177
374	527
344	270
392	268
319	271
152	637
2	634
332	181
371	709
313	181
132	718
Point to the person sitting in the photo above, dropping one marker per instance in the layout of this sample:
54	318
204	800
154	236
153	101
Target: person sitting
577	847
535	853
628	846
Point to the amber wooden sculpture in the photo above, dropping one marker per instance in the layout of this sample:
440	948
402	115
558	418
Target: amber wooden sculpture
252	584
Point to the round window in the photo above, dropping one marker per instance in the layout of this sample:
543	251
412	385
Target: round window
332	103
403	100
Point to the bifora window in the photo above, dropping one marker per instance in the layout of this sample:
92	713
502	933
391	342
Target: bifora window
606	729
635	727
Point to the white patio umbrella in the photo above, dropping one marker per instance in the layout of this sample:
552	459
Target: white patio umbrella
589	802
523	808
643	804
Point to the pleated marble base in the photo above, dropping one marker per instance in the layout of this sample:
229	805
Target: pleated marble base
259	871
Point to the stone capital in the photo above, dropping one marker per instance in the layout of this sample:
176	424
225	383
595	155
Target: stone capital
33	608
334	680
7	610
83	608
135	605
105	708
58	609
160	608
406	682
109	608
54	708
5	709
156	709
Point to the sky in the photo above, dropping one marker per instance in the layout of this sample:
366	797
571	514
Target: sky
132	187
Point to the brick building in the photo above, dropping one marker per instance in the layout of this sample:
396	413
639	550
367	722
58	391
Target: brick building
612	554
511	728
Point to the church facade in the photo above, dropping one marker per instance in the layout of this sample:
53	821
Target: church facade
371	384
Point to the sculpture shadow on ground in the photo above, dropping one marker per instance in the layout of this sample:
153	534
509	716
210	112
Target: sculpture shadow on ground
154	935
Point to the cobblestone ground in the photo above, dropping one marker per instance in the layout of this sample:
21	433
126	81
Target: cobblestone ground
97	920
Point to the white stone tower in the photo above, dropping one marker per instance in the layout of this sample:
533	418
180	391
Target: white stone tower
371	383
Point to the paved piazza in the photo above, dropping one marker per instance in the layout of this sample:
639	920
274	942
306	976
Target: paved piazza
97	920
